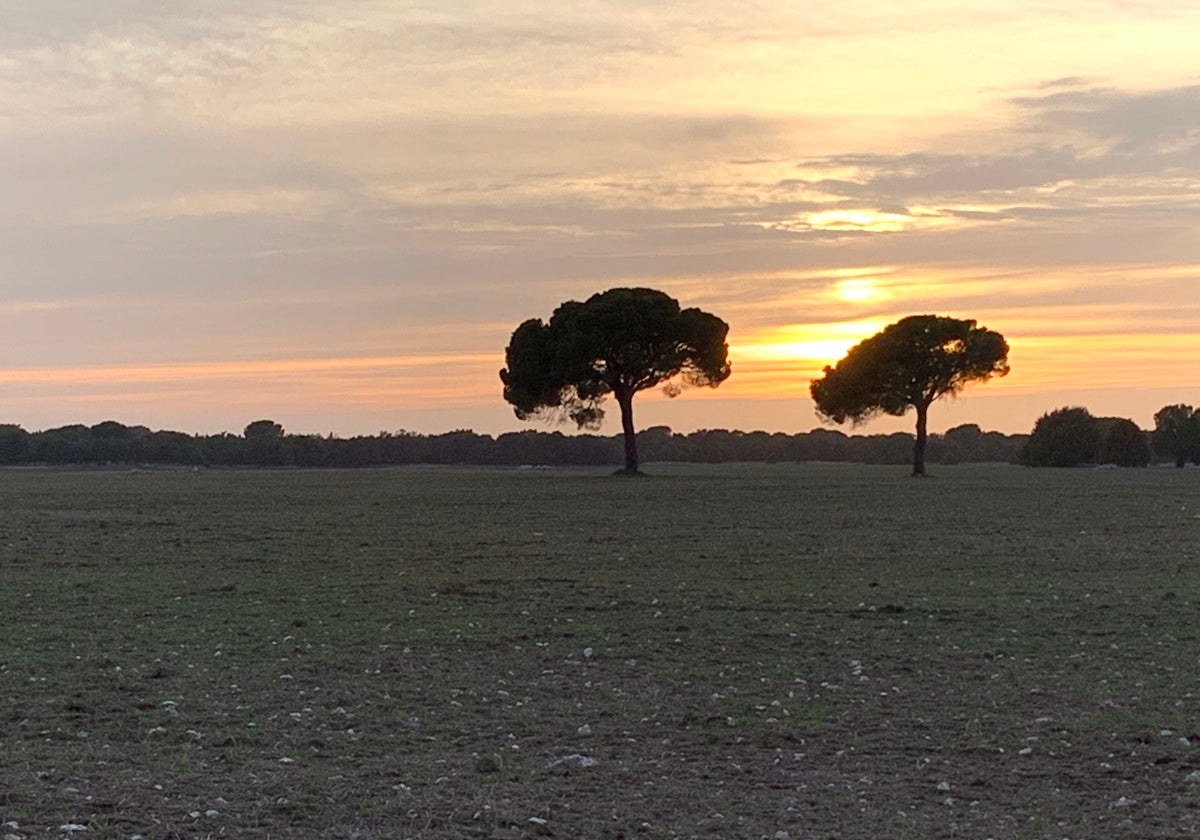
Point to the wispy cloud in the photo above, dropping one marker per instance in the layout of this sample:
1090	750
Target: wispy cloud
1158	124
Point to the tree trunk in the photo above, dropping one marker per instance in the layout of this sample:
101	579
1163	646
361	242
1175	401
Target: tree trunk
625	401
1180	462
922	436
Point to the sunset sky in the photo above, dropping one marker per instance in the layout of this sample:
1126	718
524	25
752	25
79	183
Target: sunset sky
333	214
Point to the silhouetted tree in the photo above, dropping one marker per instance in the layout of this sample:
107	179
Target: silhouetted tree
310	450
221	450
14	444
461	446
970	443
894	448
1177	433
1122	443
820	445
171	448
1065	437
263	429
965	440
943	450
110	442
658	444
617	342
265	444
714	446
64	445
909	364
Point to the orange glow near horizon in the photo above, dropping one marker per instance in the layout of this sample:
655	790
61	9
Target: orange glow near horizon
265	387
1080	348
1054	350
256	368
776	361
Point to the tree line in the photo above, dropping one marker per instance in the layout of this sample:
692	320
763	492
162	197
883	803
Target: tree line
265	443
1062	438
1072	436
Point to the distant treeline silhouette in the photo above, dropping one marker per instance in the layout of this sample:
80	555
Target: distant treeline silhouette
264	443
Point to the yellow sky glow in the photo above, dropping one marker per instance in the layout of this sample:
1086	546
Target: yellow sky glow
818	344
858	291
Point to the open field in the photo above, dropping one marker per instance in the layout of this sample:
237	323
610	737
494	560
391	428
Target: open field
797	651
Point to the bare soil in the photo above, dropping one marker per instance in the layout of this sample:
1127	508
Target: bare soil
785	651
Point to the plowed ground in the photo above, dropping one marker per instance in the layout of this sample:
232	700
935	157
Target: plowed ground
722	651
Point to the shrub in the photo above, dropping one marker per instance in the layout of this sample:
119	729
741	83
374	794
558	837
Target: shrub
1123	443
1066	437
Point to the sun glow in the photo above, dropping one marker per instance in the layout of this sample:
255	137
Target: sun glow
867	220
816	344
857	291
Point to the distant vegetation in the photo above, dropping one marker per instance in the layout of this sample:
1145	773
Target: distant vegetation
1177	433
1063	438
265	443
1071	437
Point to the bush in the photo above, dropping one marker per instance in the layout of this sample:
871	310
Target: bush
1123	443
1177	433
1066	437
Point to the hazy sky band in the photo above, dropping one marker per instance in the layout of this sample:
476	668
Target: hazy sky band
272	184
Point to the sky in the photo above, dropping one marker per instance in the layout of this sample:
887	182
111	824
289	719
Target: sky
333	214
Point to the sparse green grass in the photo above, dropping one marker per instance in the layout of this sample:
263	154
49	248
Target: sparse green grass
403	653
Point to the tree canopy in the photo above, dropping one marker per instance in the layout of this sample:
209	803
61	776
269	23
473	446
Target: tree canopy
1123	443
909	364
1177	433
1065	437
617	342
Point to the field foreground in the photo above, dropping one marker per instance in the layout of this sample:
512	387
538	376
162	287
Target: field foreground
788	651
